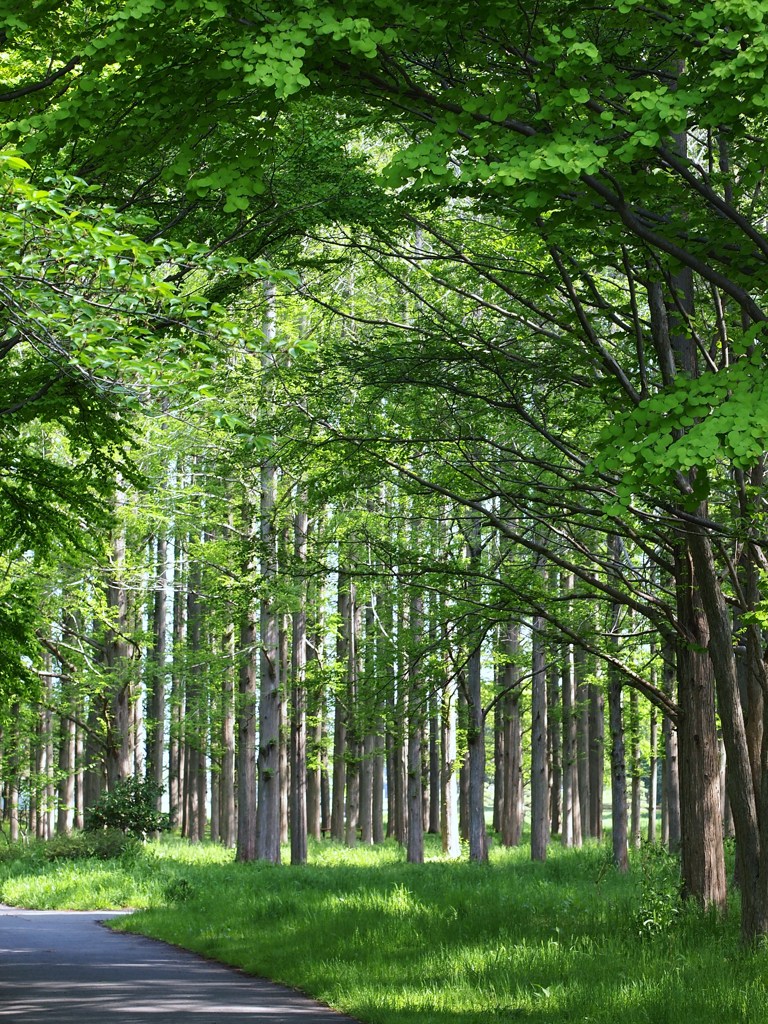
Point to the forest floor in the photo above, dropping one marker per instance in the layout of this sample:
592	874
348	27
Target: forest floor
438	943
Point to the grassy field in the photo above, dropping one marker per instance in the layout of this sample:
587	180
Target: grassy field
442	943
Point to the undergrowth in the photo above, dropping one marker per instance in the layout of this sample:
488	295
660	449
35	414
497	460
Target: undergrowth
439	943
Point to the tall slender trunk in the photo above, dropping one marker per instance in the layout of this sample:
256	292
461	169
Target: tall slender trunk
155	720
316	711
325	783
571	833
387	672
268	761
415	838
671	780
298	703
67	737
117	658
449	821
246	738
66	787
478	843
616	720
555	747
618	772
79	769
433	821
369	724
399	735
380	670
540	819
354	719
653	775
582	740
11	801
635	769
512	806
596	759
340	713
93	775
284	662
193	712
178	666
227	807
50	791
499	753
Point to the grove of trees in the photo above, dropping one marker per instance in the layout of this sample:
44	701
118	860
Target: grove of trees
383	418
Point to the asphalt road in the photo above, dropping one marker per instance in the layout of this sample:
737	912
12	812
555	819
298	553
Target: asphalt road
66	968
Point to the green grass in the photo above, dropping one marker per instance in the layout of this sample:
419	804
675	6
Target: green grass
442	943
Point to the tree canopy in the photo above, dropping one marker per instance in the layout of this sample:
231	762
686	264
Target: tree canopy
453	312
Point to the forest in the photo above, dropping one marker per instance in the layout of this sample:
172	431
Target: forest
384	417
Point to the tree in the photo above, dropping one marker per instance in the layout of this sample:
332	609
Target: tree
588	208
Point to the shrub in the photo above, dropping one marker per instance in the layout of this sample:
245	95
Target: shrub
129	807
179	890
105	844
660	903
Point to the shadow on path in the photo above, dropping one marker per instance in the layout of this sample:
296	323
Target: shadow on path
64	968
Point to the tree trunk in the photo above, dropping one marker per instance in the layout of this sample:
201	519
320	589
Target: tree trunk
370	723
246	735
653	775
117	651
415	836
354	719
268	761
176	744
11	801
79	820
571	832
227	812
66	794
582	740
701	827
340	715
671	779
284	673
500	757
155	720
596	759
478	846
316	710
635	770
433	824
618	772
194	727
512	805
298	704
751	845
555	749
93	776
540	819
315	733
449	821
701	837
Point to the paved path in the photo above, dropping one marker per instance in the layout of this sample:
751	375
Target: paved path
65	968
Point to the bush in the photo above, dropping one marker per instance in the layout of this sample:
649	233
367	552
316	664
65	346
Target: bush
130	807
660	903
105	844
178	890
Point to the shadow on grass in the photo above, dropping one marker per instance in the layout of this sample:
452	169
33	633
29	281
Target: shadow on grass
392	943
